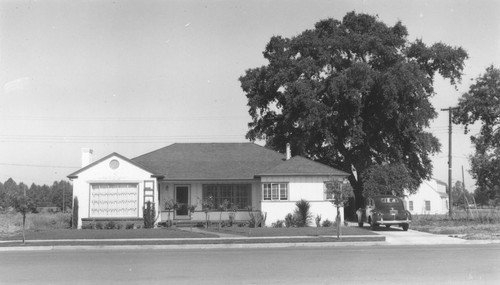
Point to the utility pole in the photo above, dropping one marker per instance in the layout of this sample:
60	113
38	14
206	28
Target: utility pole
450	199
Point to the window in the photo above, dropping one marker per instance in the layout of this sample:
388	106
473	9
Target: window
275	191
238	195
410	205
114	200
427	205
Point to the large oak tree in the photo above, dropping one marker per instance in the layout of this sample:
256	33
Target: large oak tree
482	104
352	94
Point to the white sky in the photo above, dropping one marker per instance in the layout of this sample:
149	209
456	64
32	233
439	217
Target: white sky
133	76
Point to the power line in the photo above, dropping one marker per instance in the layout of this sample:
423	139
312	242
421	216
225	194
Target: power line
128	119
38	165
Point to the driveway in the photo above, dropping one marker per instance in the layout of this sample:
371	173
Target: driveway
396	236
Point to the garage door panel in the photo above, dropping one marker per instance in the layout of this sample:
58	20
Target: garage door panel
114	200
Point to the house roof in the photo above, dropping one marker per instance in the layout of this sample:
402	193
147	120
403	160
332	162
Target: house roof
75	174
220	161
299	165
199	161
228	161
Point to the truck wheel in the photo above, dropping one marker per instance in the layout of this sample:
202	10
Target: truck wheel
405	227
387	226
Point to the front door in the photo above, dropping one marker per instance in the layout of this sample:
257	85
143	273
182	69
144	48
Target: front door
182	199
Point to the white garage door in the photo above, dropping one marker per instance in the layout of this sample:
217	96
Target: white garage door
114	200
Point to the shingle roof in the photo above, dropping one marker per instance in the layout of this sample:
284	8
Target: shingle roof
198	161
299	165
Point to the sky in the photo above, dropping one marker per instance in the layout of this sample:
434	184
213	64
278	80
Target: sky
134	76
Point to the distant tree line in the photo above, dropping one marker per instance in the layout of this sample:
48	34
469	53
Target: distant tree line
38	195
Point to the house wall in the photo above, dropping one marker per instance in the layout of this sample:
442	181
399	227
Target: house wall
103	173
309	188
167	190
427	191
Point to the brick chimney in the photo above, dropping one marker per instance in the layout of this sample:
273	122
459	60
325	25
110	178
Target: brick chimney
86	156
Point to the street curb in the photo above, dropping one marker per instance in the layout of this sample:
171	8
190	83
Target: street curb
191	246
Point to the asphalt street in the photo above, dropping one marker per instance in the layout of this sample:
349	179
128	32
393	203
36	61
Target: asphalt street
415	264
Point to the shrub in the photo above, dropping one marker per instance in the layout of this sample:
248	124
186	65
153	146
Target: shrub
129	226
257	219
290	221
110	225
149	215
303	214
74	221
327	223
318	221
119	226
98	226
278	224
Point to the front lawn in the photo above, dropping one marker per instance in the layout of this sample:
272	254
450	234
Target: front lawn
291	232
105	234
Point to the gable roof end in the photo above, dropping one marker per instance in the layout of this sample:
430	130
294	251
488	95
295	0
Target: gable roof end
75	174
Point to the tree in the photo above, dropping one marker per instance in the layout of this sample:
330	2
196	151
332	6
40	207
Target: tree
482	104
351	94
340	194
21	203
387	179
460	196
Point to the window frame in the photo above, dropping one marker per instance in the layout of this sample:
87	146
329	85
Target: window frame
235	193
282	192
427	203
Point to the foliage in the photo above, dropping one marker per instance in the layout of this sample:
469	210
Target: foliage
327	223
74	221
461	197
278	224
482	104
111	225
290	221
129	226
39	195
257	219
388	179
99	226
351	94
149	215
223	208
302	213
207	205
317	220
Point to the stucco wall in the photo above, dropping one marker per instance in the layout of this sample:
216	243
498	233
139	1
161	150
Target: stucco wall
103	173
309	188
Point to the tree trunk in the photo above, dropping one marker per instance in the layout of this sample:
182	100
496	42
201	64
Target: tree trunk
24	227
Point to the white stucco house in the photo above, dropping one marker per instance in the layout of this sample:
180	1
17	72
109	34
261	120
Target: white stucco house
116	188
431	198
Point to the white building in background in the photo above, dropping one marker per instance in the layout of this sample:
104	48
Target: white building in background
430	199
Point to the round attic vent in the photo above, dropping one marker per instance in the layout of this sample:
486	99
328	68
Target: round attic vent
114	164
